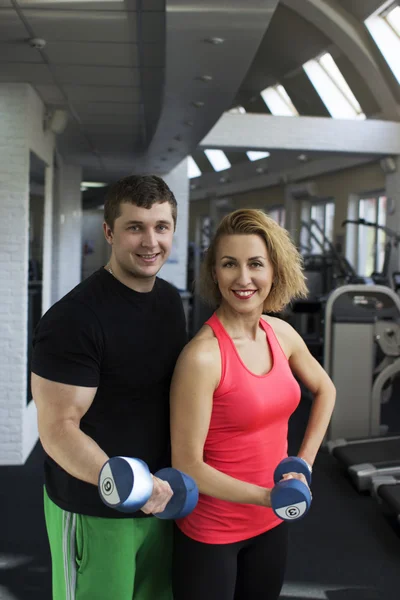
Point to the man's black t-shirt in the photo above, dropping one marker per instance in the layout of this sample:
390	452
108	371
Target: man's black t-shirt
105	335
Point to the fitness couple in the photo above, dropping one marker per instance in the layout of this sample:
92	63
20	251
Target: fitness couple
113	375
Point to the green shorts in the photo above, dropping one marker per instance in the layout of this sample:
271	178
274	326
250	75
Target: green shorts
108	559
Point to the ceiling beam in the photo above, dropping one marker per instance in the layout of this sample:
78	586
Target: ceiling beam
265	132
257	182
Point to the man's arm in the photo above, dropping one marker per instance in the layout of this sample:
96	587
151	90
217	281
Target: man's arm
60	409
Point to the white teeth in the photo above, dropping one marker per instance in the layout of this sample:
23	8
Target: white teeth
249	293
148	255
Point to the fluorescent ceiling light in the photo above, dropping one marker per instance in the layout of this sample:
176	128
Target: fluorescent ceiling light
193	169
278	101
238	110
218	159
93	184
256	155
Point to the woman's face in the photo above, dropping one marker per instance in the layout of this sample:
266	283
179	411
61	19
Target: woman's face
243	271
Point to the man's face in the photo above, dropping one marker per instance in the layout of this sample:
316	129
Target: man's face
142	238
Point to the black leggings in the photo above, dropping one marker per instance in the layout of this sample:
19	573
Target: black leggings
252	569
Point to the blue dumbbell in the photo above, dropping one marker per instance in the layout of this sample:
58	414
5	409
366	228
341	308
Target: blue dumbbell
291	498
126	484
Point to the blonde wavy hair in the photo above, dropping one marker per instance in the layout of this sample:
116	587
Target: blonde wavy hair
289	281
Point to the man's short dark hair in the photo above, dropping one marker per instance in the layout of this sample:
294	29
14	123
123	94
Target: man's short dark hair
142	190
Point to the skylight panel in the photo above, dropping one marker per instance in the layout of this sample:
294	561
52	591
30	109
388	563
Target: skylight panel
393	18
218	159
327	82
256	155
331	68
386	33
193	169
279	102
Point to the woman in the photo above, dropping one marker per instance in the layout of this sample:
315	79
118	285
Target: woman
232	394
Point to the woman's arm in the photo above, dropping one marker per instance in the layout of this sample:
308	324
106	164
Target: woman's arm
196	376
313	376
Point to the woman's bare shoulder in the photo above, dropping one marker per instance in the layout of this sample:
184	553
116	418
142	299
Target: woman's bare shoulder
203	347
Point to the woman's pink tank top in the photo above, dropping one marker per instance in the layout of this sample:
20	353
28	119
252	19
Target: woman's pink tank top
247	438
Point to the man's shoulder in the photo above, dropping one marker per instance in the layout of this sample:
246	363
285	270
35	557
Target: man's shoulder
167	288
78	303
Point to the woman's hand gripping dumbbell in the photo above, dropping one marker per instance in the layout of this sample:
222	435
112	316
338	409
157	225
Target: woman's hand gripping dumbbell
126	484
291	497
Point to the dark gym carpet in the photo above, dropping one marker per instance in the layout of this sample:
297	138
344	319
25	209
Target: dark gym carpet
345	548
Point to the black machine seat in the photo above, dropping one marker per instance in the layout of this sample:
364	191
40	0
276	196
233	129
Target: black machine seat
379	452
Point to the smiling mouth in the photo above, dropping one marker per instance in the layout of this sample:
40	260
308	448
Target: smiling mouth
148	257
244	294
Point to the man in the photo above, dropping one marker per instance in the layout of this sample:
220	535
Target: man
101	369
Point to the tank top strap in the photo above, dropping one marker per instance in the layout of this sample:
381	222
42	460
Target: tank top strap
216	326
272	339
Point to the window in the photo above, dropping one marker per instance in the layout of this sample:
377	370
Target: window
218	159
370	240
193	169
317	231
278	213
332	88
385	29
279	102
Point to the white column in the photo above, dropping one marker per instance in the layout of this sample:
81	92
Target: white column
96	250
67	230
393	217
175	269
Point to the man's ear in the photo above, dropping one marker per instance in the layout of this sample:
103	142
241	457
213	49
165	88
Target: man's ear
108	233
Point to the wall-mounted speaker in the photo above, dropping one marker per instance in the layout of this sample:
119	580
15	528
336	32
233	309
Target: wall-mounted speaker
57	121
388	165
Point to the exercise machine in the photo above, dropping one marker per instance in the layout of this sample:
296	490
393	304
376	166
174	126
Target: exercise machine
392	241
362	356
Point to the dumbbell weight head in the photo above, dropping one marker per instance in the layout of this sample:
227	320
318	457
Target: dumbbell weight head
292	464
185	497
290	499
125	484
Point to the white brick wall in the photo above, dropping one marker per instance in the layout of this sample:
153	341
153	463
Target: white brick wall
18	107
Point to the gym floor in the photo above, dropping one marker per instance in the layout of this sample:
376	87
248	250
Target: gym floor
345	549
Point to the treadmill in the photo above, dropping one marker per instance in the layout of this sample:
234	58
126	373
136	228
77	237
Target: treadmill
358	319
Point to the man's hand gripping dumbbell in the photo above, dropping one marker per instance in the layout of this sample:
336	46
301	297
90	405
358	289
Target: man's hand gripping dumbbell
127	485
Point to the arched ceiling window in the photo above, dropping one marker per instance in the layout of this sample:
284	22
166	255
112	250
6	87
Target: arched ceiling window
384	27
